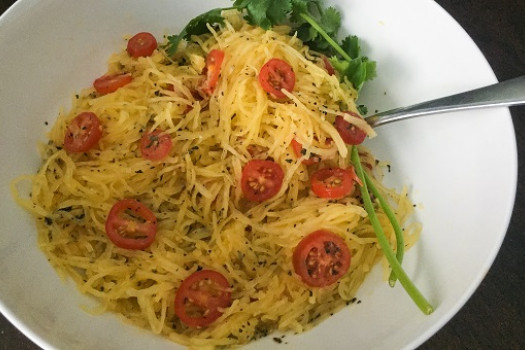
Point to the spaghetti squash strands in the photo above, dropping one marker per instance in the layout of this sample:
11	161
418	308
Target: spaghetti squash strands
203	219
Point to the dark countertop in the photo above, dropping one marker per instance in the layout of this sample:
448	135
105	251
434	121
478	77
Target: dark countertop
494	318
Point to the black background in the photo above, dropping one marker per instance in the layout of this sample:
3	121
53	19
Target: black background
494	318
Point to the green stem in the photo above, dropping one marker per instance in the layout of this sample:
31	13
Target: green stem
400	241
323	33
405	281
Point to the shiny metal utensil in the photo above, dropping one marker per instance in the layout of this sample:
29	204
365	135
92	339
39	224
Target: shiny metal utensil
507	93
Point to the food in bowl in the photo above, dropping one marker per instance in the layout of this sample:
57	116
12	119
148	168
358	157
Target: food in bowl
214	188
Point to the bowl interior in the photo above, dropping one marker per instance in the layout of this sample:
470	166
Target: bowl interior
464	185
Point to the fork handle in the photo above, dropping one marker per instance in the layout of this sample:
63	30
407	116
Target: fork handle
507	93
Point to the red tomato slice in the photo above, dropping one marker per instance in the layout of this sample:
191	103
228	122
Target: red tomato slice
131	225
261	179
321	258
276	75
141	45
298	150
328	66
333	183
213	70
155	145
82	133
202	297
350	133
110	83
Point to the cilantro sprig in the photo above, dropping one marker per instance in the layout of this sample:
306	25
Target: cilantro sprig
316	26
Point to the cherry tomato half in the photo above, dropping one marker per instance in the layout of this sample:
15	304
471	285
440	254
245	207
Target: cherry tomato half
298	150
321	258
276	75
131	225
261	179
111	83
82	133
213	70
350	133
141	45
155	145
201	298
333	183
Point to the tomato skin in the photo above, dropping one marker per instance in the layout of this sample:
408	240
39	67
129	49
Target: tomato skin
350	133
298	150
332	183
155	145
209	298
141	45
213	70
275	75
328	66
321	258
122	219
110	83
82	133
261	180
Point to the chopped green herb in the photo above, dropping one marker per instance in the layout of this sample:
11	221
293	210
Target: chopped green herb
315	26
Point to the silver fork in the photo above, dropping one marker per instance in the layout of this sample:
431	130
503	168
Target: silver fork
507	93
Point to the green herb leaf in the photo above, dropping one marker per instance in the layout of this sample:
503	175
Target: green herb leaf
264	13
351	46
196	26
331	20
357	71
300	6
314	30
362	109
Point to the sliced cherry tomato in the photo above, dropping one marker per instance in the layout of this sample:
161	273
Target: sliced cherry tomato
141	45
321	258
111	83
350	133
155	145
213	70
131	225
82	133
276	75
202	297
298	150
333	183
261	179
328	66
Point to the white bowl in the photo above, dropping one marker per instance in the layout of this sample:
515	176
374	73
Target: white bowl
51	49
